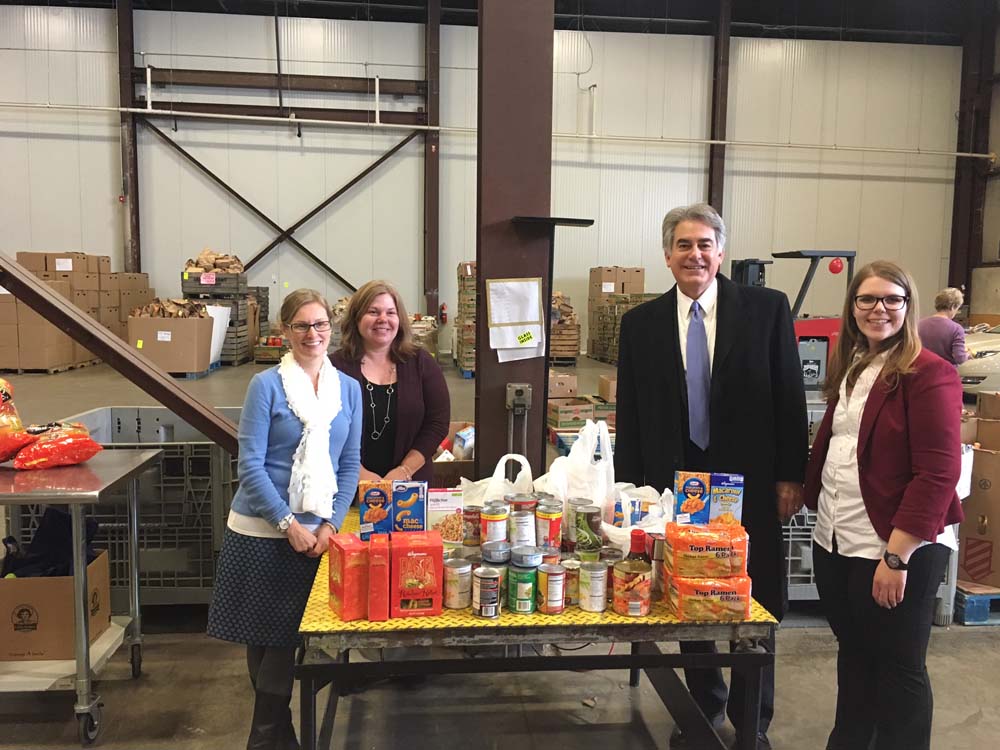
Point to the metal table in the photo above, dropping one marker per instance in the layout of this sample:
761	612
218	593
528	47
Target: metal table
75	487
329	642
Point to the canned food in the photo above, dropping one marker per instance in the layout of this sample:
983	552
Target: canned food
588	555
521	528
495	552
503	568
526	556
548	525
572	568
610	556
572	506
588	530
551	589
593	586
551	556
521	587
486	592
470	523
632	584
568	556
493	524
457	583
654	550
543	497
475	560
523	502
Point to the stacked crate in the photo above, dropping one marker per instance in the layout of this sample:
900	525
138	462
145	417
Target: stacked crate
564	331
611	293
465	320
263	295
226	290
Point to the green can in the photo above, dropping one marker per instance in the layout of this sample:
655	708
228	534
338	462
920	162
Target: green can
522	585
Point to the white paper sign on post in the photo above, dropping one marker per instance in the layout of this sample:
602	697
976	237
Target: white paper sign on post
516	318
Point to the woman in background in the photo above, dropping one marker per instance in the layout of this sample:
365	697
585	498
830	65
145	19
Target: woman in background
940	333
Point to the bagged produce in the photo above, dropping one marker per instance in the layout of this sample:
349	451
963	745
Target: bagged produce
13	436
57	444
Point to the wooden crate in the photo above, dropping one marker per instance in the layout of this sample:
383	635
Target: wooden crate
197	284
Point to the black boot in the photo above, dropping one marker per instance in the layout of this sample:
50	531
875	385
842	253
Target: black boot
286	734
267	725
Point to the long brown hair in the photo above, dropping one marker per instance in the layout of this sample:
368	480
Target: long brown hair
298	299
852	355
353	346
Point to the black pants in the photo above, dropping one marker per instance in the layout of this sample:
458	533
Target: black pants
884	698
272	669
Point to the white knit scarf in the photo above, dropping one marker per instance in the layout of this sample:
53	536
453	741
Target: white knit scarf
314	480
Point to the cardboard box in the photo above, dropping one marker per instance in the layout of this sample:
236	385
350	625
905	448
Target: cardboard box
348	577
417	574
467	269
8	334
174	344
375	508
564	413
633	280
9	358
36	614
561	385
107	315
66	262
103	264
602	409
32	261
607	388
989	405
109	298
109	281
127	301
979	534
134	280
409	505
378	577
44	347
26	316
92	266
450	473
6	298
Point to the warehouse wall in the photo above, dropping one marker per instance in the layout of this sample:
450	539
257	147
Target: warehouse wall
61	191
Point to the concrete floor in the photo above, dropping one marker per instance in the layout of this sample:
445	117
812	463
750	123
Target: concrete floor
194	694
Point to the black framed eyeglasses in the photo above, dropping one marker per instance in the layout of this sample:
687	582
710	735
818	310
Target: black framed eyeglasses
321	326
889	302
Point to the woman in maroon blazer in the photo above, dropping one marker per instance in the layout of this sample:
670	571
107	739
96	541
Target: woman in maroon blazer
882	478
405	398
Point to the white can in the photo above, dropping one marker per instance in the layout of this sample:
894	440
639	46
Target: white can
457	583
593	586
521	528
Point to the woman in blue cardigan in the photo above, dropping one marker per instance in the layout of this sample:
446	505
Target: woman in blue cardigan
300	456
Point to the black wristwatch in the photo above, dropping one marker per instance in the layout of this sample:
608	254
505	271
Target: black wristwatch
894	561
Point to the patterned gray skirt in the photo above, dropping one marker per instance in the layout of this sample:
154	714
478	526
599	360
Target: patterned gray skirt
261	589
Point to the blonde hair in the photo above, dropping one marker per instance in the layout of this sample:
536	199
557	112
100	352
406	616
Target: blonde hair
353	346
852	354
298	299
948	299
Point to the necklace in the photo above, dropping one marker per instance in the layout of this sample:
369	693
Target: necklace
390	389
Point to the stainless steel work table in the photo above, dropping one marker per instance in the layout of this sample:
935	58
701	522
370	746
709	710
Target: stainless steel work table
77	486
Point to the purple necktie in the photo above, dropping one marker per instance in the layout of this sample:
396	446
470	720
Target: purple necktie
699	378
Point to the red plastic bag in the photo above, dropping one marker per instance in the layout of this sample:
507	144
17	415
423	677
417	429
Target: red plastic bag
12	434
58	444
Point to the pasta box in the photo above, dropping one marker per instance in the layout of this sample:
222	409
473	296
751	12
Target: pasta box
378	577
417	574
348	577
691	496
727	498
409	505
444	515
374	507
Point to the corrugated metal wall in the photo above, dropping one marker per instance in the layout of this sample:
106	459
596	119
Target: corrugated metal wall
61	175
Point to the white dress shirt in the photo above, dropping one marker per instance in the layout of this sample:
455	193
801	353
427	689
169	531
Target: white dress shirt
709	307
841	510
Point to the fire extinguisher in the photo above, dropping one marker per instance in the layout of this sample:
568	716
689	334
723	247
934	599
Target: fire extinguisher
443	314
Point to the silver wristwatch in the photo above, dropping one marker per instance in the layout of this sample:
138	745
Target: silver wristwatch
285	523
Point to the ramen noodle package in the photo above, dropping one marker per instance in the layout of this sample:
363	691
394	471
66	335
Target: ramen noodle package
375	507
709	599
691	496
58	444
727	499
705	551
13	436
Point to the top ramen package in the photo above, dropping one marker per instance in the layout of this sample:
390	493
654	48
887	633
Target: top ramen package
13	436
705	551
57	444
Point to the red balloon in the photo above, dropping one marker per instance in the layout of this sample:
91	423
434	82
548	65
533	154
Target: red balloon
836	265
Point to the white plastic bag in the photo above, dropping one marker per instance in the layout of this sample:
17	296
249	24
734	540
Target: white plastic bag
579	474
495	487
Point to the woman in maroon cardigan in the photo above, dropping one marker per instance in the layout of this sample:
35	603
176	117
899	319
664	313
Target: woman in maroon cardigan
406	402
882	478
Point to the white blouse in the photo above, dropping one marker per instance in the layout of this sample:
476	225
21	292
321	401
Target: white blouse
841	510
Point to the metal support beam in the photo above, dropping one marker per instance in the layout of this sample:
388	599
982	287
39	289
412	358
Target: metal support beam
87	332
720	99
246	203
287	233
130	164
231	79
432	146
971	177
180	109
514	179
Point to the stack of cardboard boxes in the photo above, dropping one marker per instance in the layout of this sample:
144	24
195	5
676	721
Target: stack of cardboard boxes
229	290
29	342
568	411
465	320
979	534
613	290
564	345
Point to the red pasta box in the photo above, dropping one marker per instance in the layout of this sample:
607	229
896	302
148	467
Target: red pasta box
417	574
348	577
378	577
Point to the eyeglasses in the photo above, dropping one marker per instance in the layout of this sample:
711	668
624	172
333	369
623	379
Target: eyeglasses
320	325
889	302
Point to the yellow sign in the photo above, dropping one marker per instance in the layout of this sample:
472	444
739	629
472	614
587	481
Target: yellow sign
286	285
525	337
138	344
185	276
